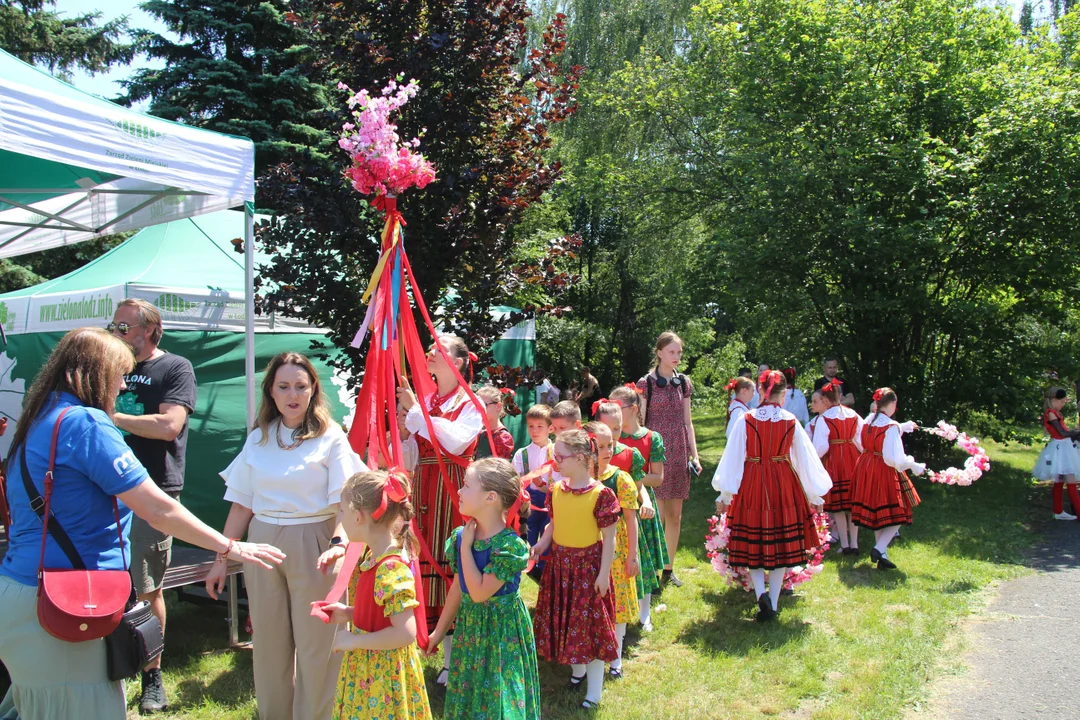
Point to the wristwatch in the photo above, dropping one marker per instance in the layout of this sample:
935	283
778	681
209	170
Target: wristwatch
336	540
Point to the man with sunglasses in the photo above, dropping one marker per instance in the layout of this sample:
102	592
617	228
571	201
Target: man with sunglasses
153	413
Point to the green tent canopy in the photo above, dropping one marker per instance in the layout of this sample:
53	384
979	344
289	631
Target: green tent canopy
191	272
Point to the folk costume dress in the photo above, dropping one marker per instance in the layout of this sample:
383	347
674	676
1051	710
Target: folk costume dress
881	492
572	623
838	440
735	410
504	444
652	545
666	416
770	475
1060	456
493	673
381	684
623	586
457	424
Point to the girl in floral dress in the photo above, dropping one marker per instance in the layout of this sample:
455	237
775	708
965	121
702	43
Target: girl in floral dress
381	676
652	546
493	669
624	569
666	410
575	612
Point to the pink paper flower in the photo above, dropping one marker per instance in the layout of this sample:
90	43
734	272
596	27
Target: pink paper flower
716	549
975	465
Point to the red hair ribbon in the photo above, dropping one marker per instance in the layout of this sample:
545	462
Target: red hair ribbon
768	380
394	490
634	387
506	391
731	385
878	393
596	405
513	515
833	383
472	357
789	373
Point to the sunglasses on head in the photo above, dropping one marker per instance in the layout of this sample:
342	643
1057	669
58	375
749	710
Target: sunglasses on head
123	328
662	381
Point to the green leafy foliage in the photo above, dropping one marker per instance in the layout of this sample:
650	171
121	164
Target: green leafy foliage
35	32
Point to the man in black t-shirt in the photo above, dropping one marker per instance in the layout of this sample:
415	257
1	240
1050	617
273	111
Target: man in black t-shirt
152	412
847	397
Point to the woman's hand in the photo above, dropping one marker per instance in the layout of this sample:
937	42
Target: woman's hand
646	512
602	585
215	579
260	554
405	398
697	465
328	558
632	567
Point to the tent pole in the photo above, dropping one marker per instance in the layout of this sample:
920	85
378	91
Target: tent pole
249	311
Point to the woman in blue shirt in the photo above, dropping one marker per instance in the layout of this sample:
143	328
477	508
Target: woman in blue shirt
53	679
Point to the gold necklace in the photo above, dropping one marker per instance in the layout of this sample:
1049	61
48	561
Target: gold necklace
295	444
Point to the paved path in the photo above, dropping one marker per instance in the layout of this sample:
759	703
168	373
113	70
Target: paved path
1024	655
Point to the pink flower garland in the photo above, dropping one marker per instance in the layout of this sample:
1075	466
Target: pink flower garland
976	464
381	163
716	546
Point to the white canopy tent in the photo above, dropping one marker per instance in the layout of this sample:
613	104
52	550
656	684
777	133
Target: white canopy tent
74	167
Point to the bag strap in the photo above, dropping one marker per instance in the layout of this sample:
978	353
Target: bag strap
41	506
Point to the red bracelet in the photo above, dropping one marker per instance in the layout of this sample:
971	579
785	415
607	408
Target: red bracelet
224	557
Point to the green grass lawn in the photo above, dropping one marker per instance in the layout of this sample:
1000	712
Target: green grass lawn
854	643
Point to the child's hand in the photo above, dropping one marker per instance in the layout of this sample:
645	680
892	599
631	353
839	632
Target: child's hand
434	640
338	612
721	507
602	585
646	512
468	533
328	558
817	508
632	568
344	641
537	551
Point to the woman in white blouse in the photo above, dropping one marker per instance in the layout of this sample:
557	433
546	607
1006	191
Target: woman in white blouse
772	480
285	486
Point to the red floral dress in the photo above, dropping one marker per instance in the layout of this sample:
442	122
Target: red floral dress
667	417
572	623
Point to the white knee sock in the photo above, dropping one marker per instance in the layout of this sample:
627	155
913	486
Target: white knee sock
620	635
645	608
595	671
854	533
578	670
776	584
757	576
884	537
840	522
447	646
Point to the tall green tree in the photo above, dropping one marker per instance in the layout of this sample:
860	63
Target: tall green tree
889	181
237	67
35	32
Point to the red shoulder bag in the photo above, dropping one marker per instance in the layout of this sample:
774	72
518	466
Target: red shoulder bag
78	604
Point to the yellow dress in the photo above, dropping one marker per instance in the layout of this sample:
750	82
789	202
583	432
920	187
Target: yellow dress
624	586
383	684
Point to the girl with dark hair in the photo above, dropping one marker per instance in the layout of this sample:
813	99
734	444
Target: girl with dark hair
1059	461
770	482
882	496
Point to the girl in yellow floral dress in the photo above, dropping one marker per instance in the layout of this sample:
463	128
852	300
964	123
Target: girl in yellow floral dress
381	676
625	567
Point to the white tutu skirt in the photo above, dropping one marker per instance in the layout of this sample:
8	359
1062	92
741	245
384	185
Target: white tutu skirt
1059	457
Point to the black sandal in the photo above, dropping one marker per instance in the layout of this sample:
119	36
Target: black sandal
446	680
589	705
615	674
575	682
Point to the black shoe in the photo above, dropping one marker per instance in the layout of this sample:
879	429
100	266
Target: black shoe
669	578
614	674
851	551
575	682
536	574
153	693
765	611
787	592
875	555
885	564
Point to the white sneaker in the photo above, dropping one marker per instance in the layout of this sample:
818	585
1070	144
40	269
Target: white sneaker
1064	516
647	626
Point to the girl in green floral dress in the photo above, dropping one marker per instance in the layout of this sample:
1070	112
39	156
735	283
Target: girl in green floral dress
493	672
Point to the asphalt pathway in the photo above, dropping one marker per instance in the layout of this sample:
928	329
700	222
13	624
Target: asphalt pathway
1024	660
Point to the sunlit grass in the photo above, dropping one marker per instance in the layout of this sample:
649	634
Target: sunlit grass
854	643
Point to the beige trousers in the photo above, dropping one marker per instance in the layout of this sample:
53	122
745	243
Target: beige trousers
295	672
